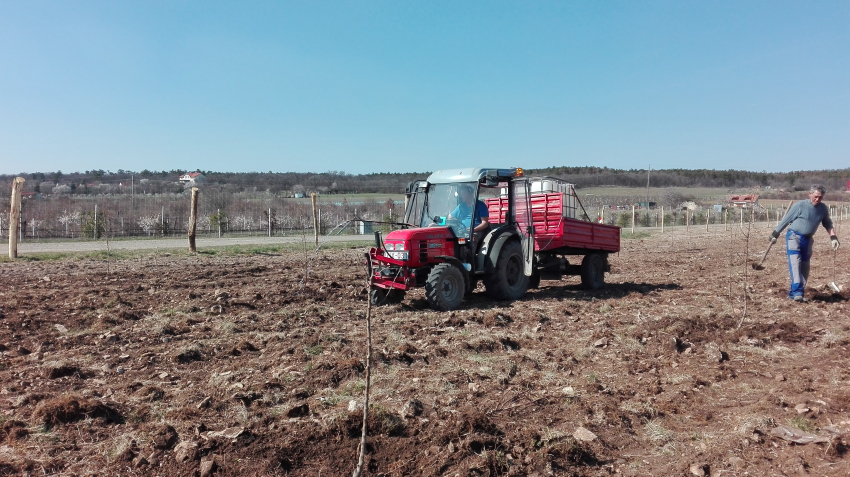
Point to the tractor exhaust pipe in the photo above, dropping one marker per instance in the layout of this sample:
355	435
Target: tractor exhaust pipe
379	242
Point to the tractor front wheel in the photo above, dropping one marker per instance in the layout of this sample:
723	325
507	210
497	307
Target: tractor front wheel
445	287
390	296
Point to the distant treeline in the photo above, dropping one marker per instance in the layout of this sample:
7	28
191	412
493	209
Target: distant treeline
336	182
583	177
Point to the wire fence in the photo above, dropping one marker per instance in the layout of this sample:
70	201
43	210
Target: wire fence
704	216
225	213
219	214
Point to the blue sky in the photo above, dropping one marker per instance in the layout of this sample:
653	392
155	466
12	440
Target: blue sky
403	86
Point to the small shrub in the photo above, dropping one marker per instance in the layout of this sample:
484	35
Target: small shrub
803	423
657	432
314	350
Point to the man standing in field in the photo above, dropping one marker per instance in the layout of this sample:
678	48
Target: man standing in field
802	221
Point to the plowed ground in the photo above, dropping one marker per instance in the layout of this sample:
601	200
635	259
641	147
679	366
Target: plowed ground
235	365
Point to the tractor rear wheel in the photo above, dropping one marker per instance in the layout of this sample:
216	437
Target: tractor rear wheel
445	287
593	271
381	296
508	281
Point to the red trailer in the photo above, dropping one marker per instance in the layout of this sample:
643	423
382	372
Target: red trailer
557	233
554	230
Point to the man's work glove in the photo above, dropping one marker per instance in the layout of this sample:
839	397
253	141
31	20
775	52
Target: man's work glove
835	243
773	237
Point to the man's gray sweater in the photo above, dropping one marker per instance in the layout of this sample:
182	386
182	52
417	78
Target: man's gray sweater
804	218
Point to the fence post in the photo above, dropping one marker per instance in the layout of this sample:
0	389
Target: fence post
270	222
633	218
707	216
193	219
218	214
15	216
662	219
688	220
315	218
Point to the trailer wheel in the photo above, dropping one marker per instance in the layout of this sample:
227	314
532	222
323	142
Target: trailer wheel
380	296
508	281
593	271
534	280
445	287
473	283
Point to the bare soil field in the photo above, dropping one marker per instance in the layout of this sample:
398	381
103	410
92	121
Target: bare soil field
686	363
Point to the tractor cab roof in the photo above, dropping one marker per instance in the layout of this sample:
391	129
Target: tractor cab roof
473	174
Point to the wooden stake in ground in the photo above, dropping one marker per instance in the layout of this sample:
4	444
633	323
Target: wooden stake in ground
662	219
15	216
362	456
315	218
193	219
633	218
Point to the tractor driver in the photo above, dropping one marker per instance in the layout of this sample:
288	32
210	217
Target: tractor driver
471	211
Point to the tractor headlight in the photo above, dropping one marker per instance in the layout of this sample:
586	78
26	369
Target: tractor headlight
396	250
394	246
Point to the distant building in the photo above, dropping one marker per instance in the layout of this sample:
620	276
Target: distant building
746	201
191	178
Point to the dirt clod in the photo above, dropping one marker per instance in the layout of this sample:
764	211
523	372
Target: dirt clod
66	409
164	437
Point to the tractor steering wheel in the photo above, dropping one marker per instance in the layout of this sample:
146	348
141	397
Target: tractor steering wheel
457	226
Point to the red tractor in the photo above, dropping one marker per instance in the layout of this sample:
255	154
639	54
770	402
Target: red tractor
493	225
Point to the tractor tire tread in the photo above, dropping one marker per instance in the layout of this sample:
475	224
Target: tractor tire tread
435	287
